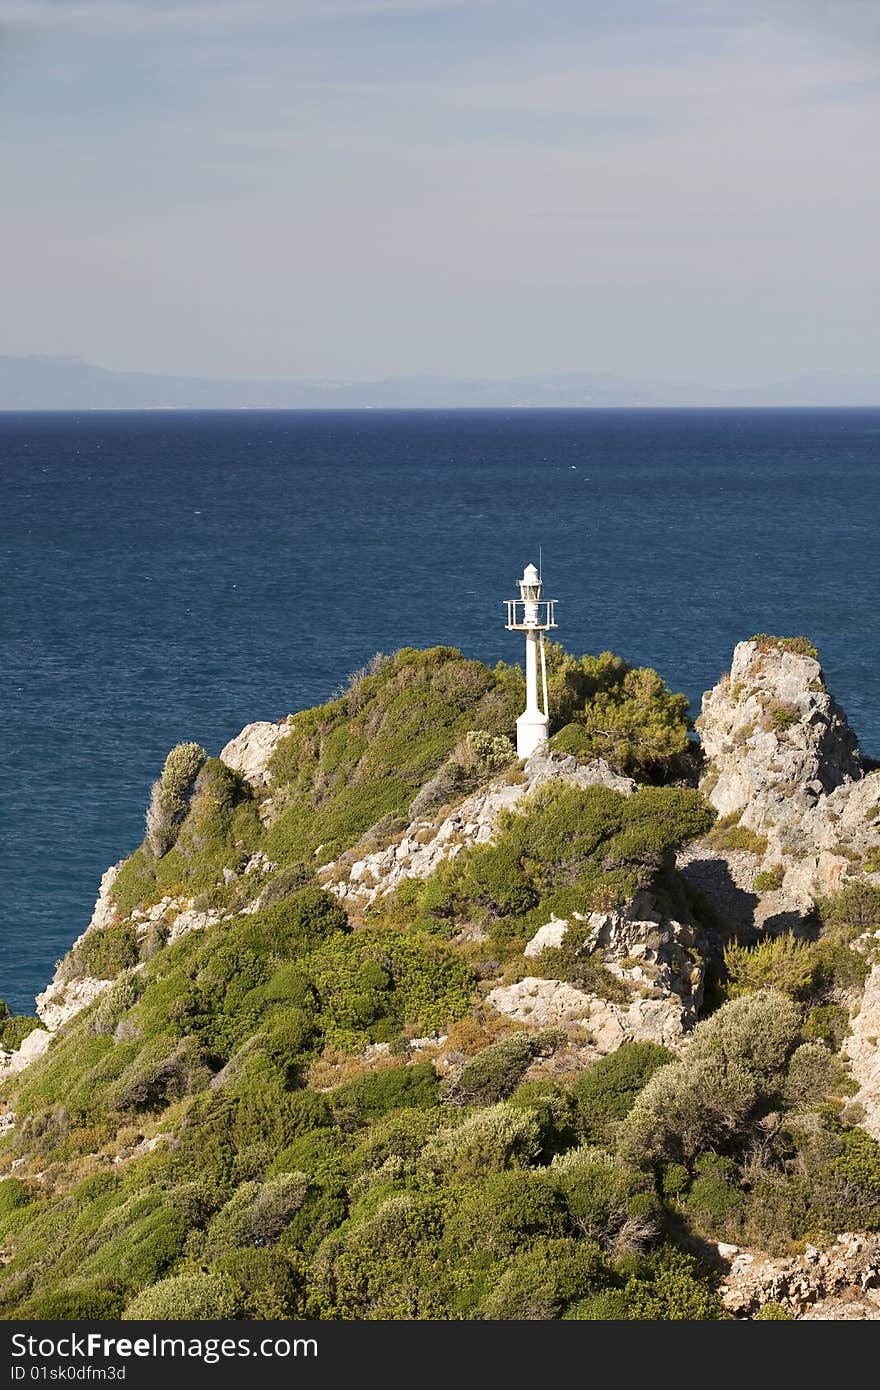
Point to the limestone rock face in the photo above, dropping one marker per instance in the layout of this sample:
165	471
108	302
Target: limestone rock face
782	758
426	844
33	1046
249	752
553	1003
61	1001
105	909
861	1046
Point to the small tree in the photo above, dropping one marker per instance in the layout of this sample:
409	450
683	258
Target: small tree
170	796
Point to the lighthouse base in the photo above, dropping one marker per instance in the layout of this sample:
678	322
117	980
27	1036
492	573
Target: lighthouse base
532	729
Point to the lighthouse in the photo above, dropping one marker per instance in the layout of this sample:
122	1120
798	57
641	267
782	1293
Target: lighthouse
532	614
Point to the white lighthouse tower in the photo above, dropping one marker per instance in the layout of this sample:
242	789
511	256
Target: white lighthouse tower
533	615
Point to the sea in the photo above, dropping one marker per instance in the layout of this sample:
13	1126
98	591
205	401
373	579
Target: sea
174	575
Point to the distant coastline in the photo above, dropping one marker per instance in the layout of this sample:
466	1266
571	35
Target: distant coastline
57	383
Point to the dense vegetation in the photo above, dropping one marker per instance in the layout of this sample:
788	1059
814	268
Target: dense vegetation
240	1127
603	708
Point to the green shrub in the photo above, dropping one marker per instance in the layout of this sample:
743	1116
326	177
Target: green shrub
671	1288
781	715
567	849
13	1194
170	794
572	963
781	963
87	1301
827	1023
269	1285
606	1091
857	1170
675	1180
164	1071
399	1135
736	1059
504	1212
384	1267
714	1193
728	834
772	1312
800	969
555	1108
139	1245
838	966
494	1073
257	1213
609	1305
372	982
187	1298
770	880
304	919
14	1029
602	1194
758	1032
116	1001
855	909
813	1072
375	1093
603	708
103	953
487	1141
135	884
542	1282
801	646
347	764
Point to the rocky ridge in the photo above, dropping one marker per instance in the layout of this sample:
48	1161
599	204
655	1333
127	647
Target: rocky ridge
780	761
425	844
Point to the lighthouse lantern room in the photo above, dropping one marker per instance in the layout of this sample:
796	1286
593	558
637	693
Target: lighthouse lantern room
532	614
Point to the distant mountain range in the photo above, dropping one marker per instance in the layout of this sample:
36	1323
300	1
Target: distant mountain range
69	383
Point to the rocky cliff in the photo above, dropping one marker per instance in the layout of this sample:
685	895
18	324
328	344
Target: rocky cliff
373	964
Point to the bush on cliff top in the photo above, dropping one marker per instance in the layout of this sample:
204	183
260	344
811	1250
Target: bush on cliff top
801	646
603	708
364	756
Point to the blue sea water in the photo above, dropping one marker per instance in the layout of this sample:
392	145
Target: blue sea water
175	576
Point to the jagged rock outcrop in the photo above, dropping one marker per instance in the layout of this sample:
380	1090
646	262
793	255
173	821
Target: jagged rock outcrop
426	844
551	934
249	752
658	959
841	1282
104	910
782	760
649	952
774	737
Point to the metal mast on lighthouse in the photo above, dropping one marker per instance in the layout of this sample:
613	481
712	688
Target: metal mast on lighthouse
532	614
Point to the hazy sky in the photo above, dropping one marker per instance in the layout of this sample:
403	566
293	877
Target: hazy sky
355	188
